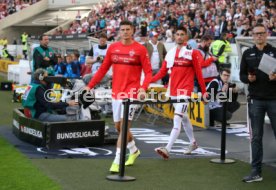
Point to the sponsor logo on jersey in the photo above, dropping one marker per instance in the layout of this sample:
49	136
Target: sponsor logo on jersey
115	58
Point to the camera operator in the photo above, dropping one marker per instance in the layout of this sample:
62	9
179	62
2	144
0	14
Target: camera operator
217	85
36	103
96	56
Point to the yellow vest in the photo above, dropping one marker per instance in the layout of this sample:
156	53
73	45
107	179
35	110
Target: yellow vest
4	52
24	37
216	47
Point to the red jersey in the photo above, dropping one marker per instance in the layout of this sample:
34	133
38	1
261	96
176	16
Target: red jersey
183	73
127	62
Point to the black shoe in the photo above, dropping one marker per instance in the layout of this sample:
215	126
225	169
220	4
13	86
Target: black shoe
252	178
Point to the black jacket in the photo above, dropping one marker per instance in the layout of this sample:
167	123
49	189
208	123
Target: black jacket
262	88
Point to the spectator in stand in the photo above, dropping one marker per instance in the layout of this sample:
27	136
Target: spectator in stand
194	30
174	13
223	24
239	27
10	7
169	34
72	68
60	67
143	29
246	31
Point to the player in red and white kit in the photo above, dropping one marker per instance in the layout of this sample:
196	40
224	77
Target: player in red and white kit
128	58
183	63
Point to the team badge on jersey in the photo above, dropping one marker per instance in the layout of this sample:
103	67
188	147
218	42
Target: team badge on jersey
50	53
131	53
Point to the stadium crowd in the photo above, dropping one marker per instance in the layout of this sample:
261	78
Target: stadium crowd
8	7
236	17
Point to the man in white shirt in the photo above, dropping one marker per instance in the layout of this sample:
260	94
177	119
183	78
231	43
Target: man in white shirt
156	51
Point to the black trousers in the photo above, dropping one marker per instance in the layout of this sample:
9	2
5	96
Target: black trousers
217	113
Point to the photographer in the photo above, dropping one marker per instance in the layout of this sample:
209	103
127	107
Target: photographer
96	56
219	85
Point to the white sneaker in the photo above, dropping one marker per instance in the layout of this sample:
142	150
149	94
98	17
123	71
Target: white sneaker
191	148
163	152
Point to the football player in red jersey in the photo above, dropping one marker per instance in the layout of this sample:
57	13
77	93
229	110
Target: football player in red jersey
183	63
128	58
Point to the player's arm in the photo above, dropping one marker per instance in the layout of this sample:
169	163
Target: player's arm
161	73
221	50
197	62
205	62
144	58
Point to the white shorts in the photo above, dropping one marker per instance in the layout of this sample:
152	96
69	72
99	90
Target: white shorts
180	108
118	110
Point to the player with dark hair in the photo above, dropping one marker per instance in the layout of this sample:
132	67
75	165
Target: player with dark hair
128	58
183	63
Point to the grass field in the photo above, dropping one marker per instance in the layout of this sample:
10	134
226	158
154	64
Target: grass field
19	172
16	171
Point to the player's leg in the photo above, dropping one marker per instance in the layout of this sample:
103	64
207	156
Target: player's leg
134	152
187	125
116	108
178	114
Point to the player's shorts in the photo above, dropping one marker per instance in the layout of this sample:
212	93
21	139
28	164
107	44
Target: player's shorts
118	110
180	108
